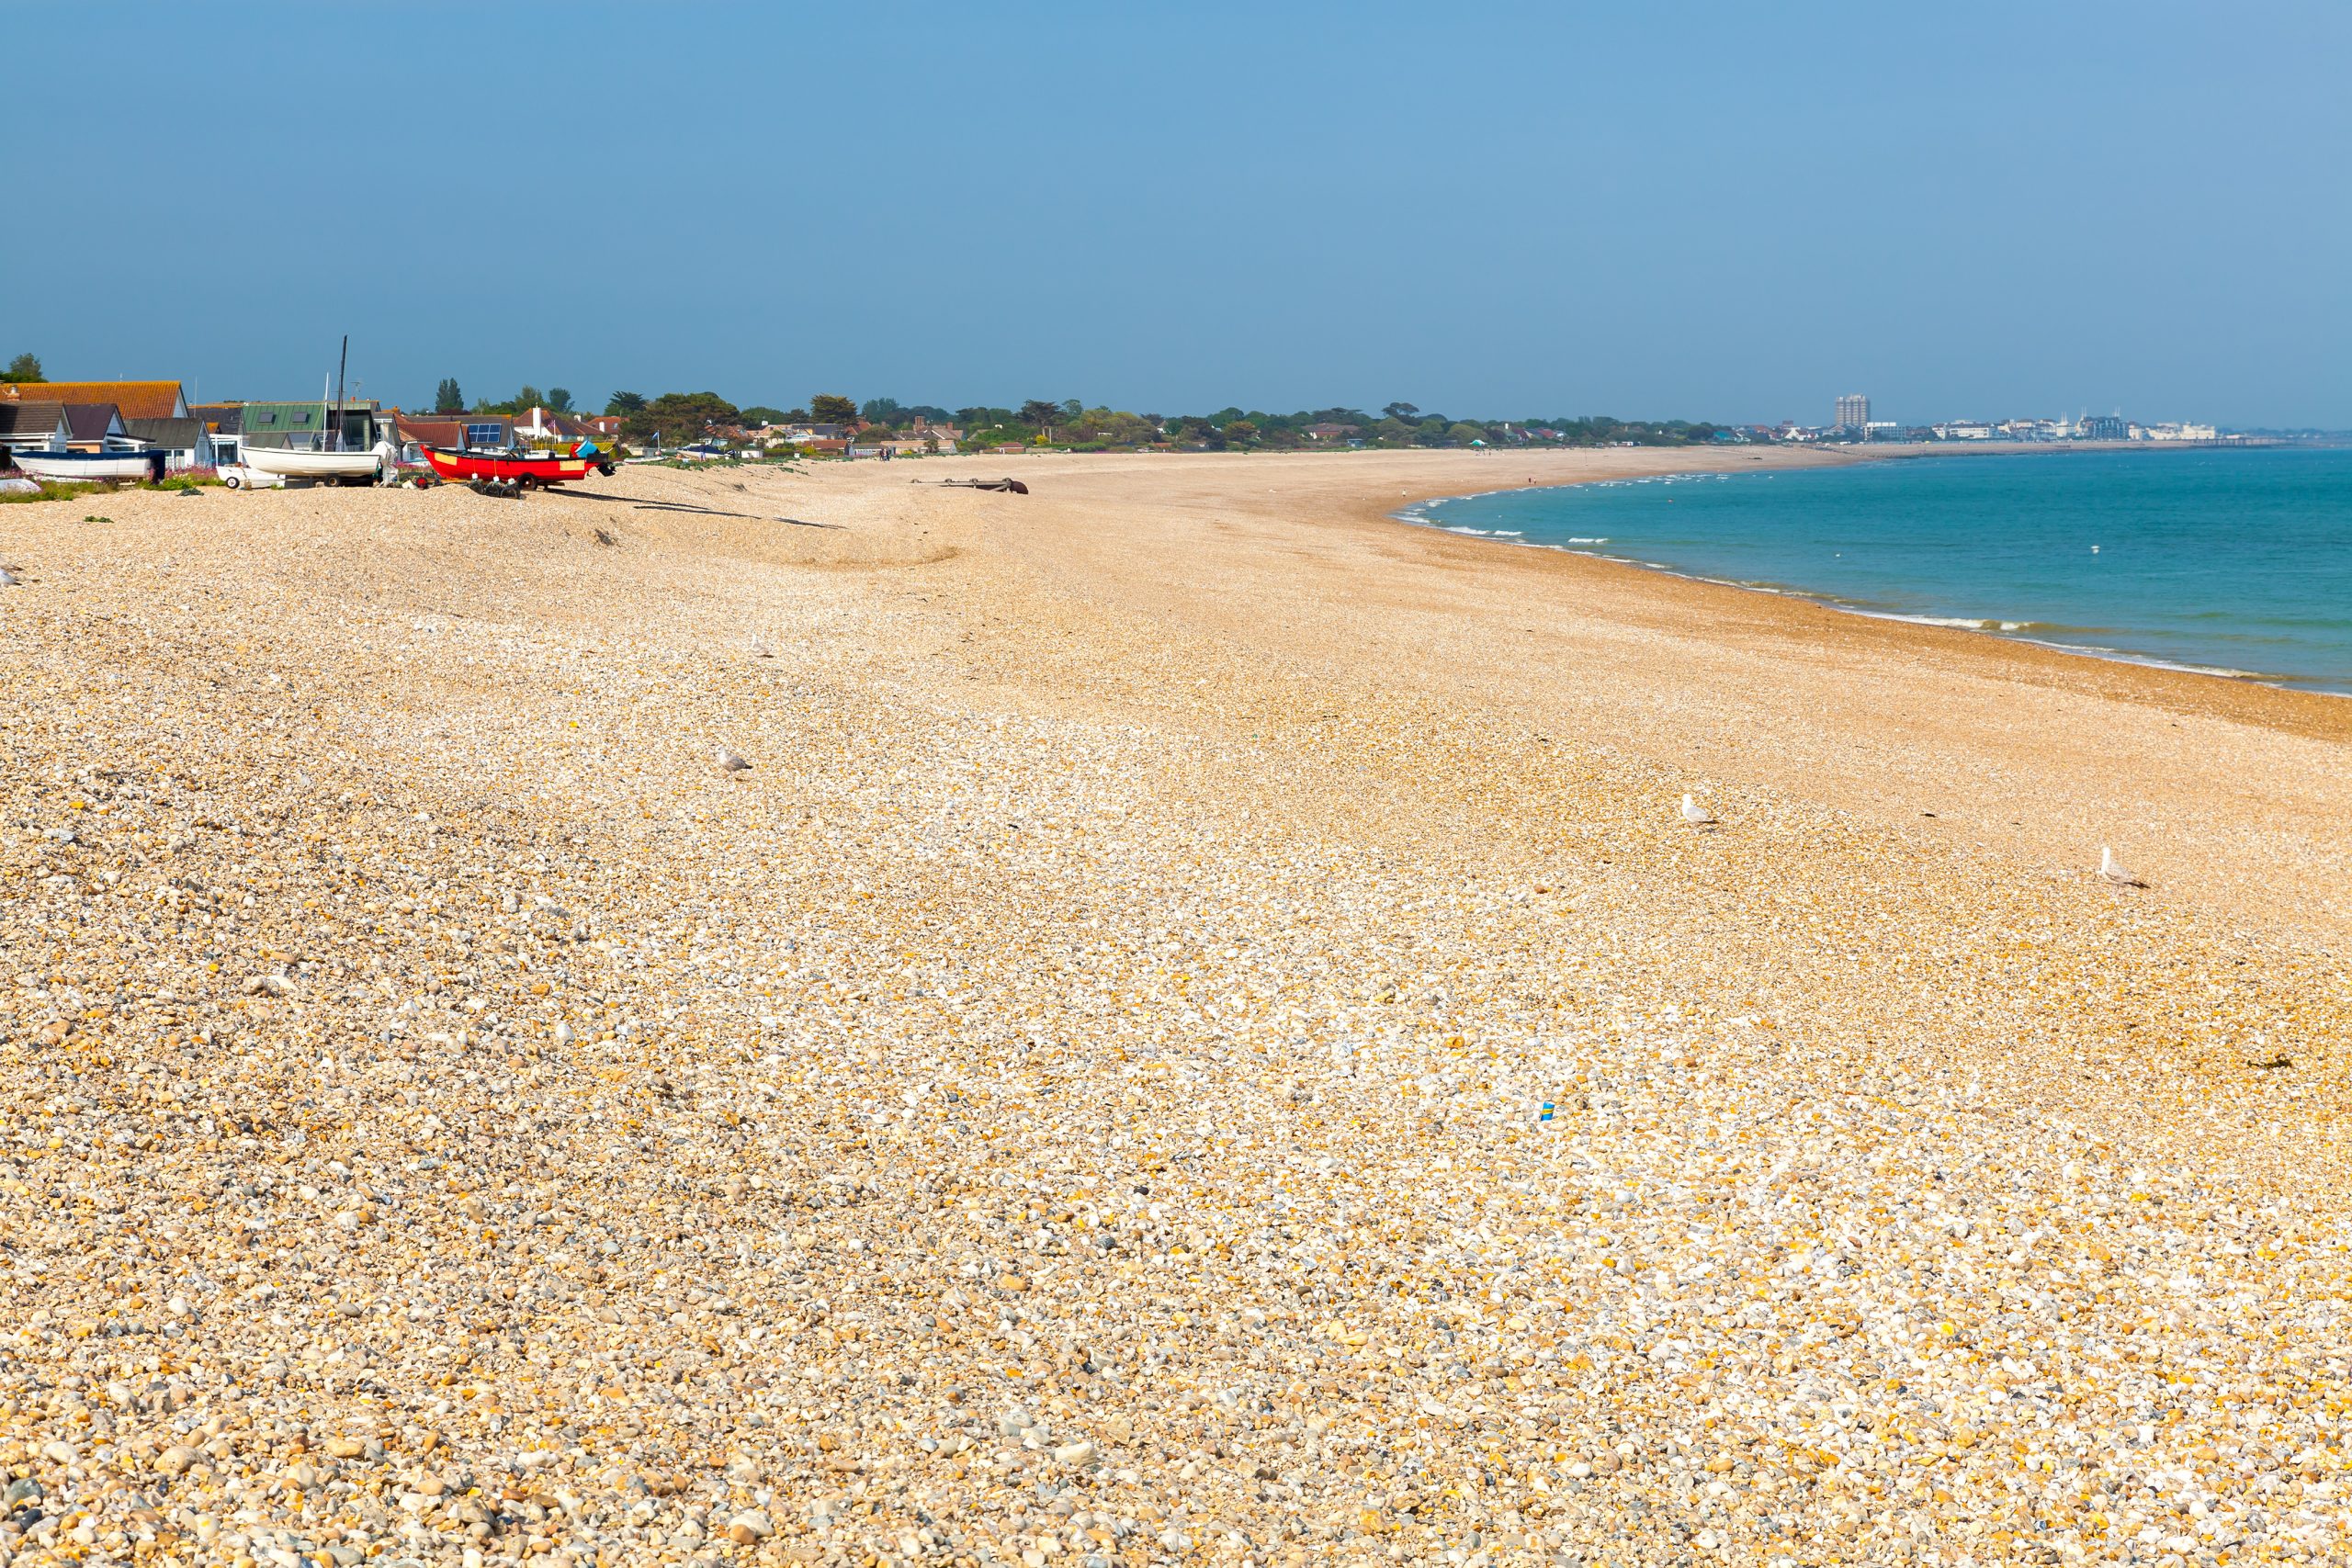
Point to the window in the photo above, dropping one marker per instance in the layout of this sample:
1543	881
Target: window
484	435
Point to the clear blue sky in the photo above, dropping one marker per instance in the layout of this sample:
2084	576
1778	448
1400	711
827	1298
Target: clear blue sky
1711	211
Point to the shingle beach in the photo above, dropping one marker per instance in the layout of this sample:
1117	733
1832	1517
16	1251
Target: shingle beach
1200	1036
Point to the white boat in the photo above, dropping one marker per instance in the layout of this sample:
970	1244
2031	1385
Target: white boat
86	466
296	463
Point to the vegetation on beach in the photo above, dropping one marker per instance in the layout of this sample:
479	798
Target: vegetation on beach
70	489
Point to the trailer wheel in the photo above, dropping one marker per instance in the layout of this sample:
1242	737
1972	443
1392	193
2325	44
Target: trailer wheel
233	481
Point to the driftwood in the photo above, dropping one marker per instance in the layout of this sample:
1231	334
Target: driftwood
1015	486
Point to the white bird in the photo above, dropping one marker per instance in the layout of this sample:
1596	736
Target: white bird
2111	870
1695	814
8	579
734	762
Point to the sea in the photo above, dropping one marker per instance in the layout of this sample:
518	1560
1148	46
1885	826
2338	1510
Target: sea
2234	561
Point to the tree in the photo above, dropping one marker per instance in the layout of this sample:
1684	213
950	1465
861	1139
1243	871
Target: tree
760	413
883	410
23	367
687	416
528	397
1403	414
622	404
558	400
447	397
828	408
1042	416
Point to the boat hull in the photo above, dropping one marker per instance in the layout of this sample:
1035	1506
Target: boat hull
553	469
294	463
87	466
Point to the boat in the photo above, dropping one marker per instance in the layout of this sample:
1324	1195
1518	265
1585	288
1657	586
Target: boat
330	462
302	463
510	472
145	463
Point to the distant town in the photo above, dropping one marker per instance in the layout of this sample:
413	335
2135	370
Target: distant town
1850	421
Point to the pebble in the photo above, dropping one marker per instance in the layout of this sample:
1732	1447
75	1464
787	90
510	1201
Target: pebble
1065	1114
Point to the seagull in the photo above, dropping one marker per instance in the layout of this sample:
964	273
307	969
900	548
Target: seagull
9	579
1695	814
2111	871
734	762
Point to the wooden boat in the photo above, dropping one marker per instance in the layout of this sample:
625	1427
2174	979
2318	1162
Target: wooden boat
84	467
298	463
508	473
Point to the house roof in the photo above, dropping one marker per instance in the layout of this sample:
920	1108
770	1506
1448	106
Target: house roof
225	418
91	422
172	434
446	430
261	418
141	400
29	419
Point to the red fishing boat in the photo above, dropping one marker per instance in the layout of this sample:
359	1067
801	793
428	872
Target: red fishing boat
509	473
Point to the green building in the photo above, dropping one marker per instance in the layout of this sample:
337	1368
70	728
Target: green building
299	424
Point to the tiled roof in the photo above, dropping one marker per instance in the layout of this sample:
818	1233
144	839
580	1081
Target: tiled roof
226	418
137	399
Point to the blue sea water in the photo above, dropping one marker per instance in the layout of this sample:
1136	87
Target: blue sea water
2235	561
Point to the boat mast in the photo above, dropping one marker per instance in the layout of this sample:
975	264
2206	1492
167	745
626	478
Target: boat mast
339	366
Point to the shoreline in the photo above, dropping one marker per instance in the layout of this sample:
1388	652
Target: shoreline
1990	635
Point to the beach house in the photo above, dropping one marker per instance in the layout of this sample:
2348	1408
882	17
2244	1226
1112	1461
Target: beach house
300	425
222	422
33	426
96	427
451	431
186	441
539	426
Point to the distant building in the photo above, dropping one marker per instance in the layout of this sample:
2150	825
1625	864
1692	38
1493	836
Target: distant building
1881	430
34	426
1853	413
307	425
537	424
96	427
2103	427
223	423
135	399
457	432
185	443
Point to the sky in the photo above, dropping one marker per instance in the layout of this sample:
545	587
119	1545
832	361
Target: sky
1703	211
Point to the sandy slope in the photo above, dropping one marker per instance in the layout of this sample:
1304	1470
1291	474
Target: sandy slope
1082	1087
